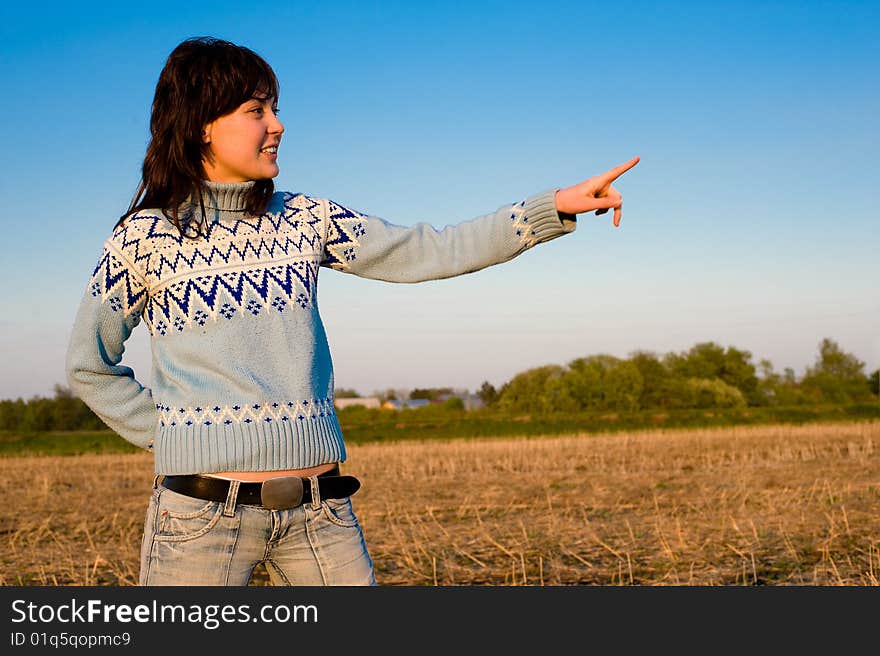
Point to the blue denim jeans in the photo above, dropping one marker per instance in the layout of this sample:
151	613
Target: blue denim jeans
189	541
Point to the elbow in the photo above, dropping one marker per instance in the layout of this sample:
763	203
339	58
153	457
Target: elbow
78	374
76	383
74	380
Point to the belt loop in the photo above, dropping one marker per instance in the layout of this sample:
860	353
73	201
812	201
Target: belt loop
316	492
229	508
156	481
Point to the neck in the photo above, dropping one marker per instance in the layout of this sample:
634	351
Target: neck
226	197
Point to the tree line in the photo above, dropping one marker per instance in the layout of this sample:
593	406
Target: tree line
706	376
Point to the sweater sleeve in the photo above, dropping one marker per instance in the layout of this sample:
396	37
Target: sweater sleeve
110	309
370	247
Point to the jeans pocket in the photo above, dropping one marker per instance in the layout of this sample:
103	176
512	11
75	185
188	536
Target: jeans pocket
182	518
340	512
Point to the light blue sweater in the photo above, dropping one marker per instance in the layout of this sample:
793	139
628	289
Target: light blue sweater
242	377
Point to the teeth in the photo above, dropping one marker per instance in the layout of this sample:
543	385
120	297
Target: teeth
270	149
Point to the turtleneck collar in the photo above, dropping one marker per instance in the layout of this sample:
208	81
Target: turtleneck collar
226	196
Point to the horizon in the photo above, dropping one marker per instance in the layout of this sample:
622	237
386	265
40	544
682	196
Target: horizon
406	391
750	221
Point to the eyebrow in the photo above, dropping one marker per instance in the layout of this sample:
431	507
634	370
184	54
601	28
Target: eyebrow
264	98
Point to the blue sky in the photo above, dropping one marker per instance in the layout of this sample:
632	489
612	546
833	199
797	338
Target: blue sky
750	221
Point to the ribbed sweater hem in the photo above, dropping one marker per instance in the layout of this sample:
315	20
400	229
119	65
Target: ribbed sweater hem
263	446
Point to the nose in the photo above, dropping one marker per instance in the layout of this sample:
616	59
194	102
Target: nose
275	126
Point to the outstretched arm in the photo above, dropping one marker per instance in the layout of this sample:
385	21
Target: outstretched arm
370	247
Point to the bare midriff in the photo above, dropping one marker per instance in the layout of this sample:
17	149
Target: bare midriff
260	476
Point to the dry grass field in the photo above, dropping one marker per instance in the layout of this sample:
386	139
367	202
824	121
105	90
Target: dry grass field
777	505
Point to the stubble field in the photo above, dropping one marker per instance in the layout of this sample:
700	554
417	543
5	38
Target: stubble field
775	505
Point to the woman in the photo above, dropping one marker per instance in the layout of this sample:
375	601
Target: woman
223	271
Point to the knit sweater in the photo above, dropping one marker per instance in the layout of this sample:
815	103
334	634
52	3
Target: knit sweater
242	377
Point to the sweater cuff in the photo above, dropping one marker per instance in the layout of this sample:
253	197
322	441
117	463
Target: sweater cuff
545	221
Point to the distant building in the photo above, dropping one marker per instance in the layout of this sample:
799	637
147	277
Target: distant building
407	404
473	402
470	401
369	402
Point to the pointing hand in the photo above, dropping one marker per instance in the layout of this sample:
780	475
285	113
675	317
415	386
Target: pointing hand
594	194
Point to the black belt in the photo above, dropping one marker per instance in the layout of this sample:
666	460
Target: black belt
276	493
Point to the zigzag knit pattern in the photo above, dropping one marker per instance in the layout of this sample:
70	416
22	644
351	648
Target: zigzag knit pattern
345	228
114	281
249	266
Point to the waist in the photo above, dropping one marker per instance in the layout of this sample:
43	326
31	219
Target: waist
260	476
278	493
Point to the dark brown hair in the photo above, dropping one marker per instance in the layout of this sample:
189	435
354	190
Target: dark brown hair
203	79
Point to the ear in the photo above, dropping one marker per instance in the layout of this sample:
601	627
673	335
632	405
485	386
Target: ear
206	133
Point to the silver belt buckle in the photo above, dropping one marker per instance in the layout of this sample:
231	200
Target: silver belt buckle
282	492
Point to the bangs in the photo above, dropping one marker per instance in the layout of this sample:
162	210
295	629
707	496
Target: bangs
211	78
241	80
260	80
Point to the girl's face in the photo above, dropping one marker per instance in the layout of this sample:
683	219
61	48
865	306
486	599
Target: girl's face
243	145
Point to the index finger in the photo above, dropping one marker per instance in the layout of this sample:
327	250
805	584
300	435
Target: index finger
617	171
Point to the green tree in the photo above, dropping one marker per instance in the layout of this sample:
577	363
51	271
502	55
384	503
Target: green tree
708	360
713	393
836	376
525	391
655	379
622	387
429	393
769	383
689	393
557	394
37	416
779	389
346	393
392	395
65	409
584	380
875	383
487	393
602	382
11	414
454	404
